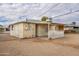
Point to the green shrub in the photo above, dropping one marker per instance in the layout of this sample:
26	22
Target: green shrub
1	29
44	18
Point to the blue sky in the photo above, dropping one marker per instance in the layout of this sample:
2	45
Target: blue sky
12	12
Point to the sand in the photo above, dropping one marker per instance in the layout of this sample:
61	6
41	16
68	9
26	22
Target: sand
41	46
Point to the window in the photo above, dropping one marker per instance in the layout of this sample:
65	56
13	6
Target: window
61	27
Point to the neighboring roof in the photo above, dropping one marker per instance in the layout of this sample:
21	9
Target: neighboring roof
70	25
34	22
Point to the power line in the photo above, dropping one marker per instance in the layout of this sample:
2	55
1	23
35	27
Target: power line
52	7
66	14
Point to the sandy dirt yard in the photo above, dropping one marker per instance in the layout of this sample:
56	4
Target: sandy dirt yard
67	46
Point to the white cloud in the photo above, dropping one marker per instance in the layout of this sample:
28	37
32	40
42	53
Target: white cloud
13	11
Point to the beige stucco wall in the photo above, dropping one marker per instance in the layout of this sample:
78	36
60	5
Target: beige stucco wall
23	30
17	30
28	30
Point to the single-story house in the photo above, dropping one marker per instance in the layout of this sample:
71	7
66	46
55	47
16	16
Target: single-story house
30	28
71	28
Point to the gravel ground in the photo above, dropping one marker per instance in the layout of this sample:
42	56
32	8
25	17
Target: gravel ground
67	46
